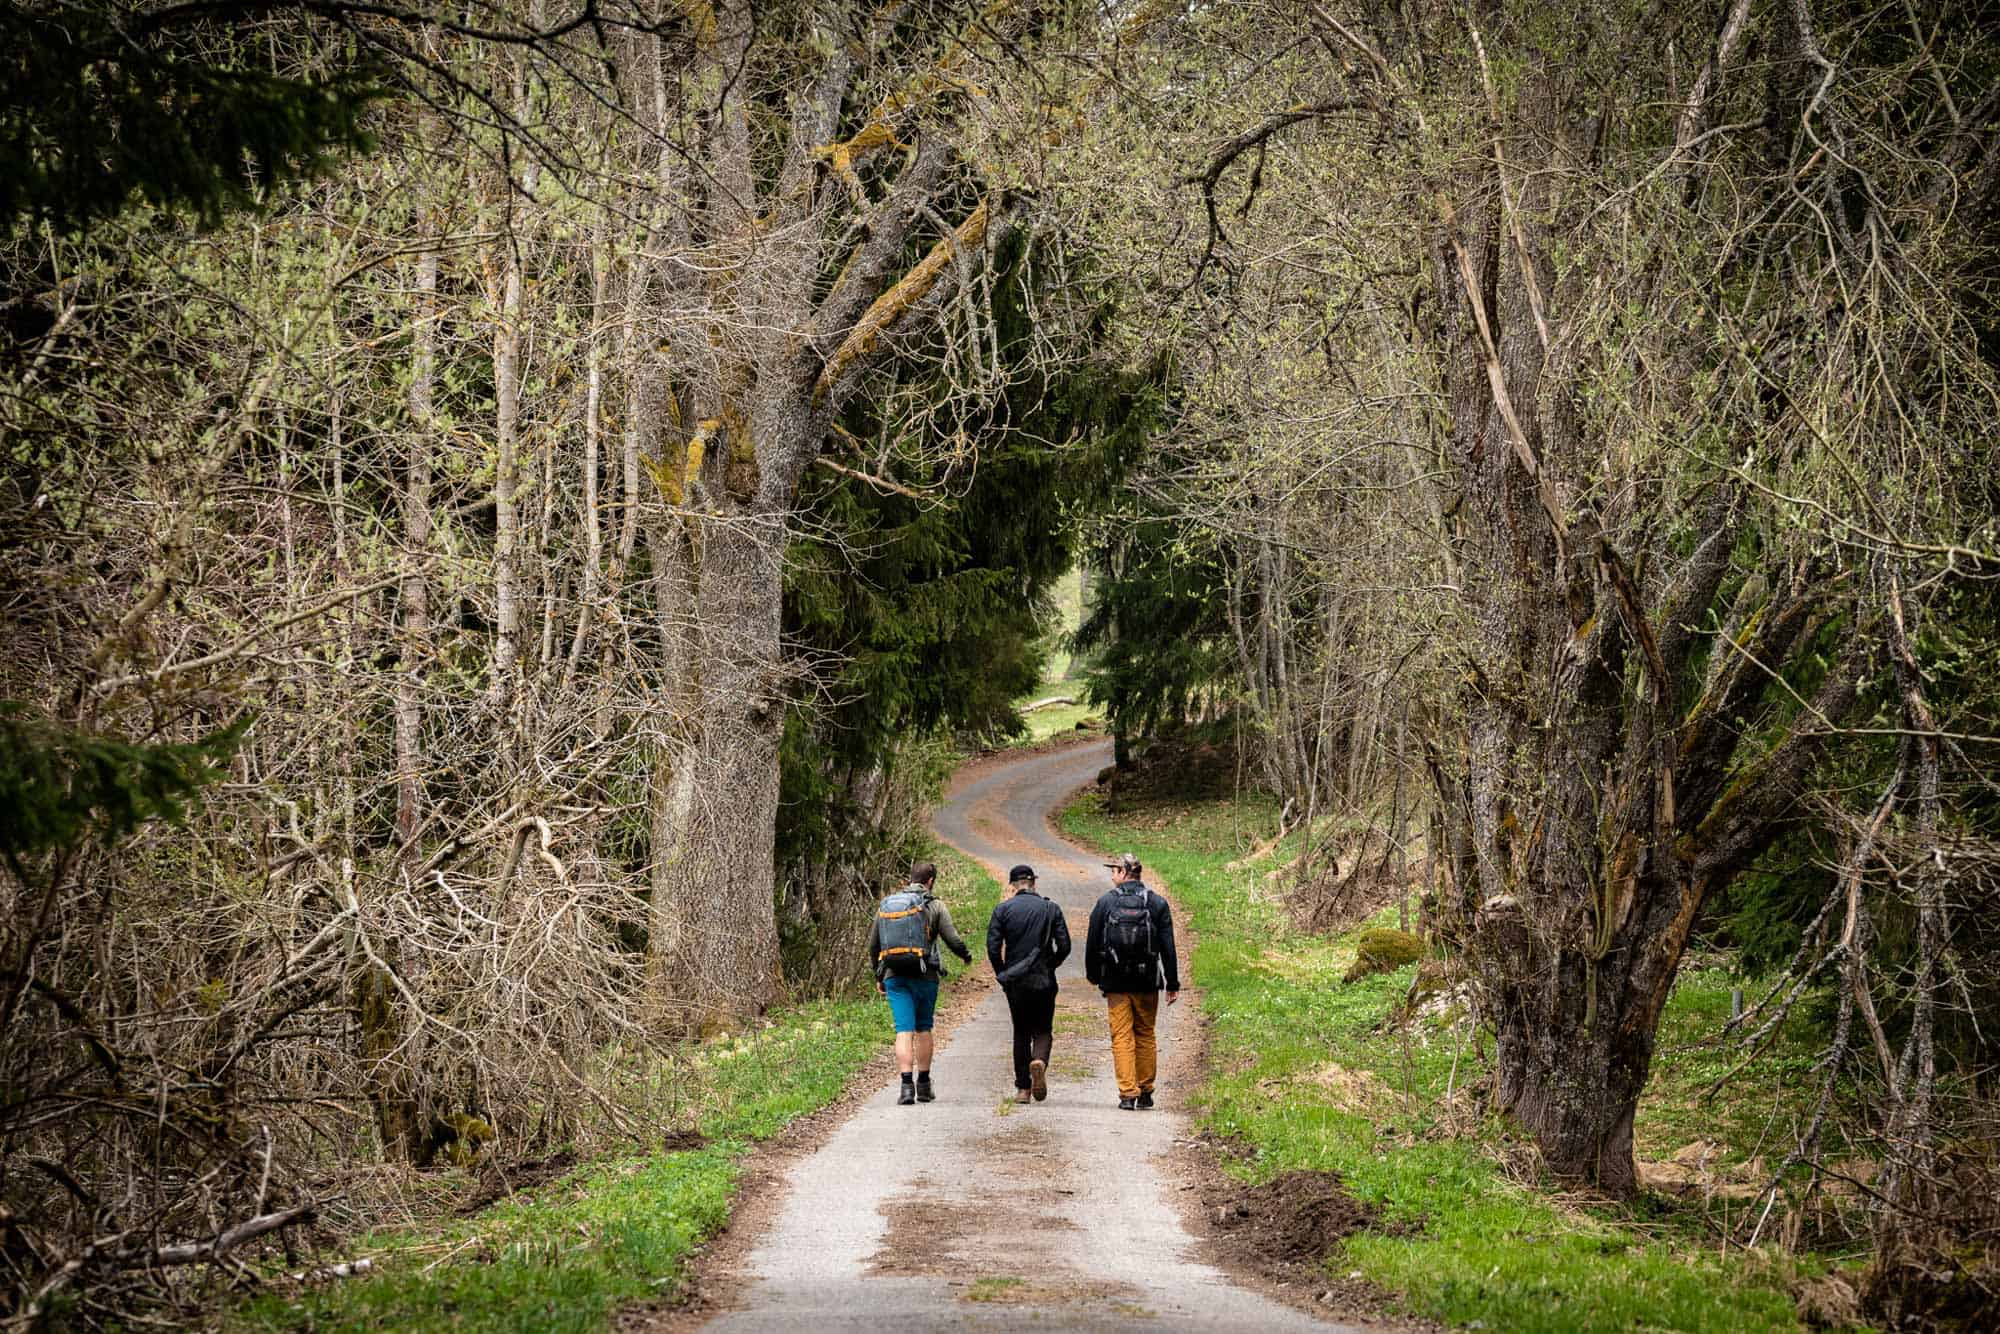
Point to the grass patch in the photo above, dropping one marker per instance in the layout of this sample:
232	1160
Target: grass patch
997	1289
1309	1077
565	1256
1703	1090
1043	725
1056	720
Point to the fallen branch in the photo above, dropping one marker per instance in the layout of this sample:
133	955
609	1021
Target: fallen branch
198	1252
101	1253
1285	826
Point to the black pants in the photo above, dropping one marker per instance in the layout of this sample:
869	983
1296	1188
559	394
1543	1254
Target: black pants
1034	1014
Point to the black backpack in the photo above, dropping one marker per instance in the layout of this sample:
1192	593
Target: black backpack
1129	950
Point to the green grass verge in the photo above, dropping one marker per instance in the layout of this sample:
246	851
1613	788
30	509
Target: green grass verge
1308	1077
1056	720
566	1255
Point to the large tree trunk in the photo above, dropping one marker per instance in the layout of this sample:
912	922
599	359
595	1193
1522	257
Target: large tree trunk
1609	780
1573	1040
796	293
1576	1094
714	925
1559	792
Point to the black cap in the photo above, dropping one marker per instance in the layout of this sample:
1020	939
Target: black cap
1021	872
1124	861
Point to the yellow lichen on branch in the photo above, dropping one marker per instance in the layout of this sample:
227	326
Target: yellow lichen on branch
841	156
701	17
676	478
877	131
893	304
871	136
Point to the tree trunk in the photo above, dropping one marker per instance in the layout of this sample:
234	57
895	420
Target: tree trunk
506	478
414	597
593	435
1576	1093
758	358
378	1015
1600	794
714	955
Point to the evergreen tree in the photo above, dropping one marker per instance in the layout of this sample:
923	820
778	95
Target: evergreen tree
933	601
1158	629
103	104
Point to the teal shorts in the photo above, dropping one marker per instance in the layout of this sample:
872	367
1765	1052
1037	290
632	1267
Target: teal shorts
912	1002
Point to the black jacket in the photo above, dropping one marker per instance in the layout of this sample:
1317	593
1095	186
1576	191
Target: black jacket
1096	966
1026	936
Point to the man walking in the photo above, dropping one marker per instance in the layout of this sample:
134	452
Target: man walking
1130	945
903	942
1026	941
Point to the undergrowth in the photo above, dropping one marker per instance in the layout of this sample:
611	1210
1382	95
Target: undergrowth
1308	1075
622	1228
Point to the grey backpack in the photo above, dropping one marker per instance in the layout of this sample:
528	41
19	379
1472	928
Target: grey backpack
902	934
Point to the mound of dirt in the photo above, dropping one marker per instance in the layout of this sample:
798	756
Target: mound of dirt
498	1181
1289	1225
1173	769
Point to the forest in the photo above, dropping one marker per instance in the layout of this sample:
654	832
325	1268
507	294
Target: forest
511	511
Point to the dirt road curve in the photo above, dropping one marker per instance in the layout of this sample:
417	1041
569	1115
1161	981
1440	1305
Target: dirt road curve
973	1213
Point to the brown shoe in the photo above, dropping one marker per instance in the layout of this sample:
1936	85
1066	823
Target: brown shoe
1038	1079
1021	1095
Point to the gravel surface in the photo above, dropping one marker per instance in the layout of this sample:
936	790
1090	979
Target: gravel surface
975	1212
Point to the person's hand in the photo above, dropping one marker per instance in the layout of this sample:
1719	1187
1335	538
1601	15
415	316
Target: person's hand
881	987
1173	996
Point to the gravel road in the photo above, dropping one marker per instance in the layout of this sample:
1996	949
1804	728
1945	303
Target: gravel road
972	1212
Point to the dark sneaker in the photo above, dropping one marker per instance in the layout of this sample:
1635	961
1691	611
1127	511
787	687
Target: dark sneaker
924	1093
1145	1102
1038	1078
907	1096
1128	1104
1021	1095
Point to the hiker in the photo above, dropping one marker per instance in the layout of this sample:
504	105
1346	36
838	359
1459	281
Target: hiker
1026	941
903	942
1131	942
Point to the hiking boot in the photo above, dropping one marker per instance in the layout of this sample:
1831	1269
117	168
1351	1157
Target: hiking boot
1021	1095
907	1096
1146	1102
1038	1079
924	1093
1128	1104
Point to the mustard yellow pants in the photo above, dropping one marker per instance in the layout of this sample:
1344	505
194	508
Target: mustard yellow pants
1135	1055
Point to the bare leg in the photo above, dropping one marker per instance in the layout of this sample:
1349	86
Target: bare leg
923	1044
906	1044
